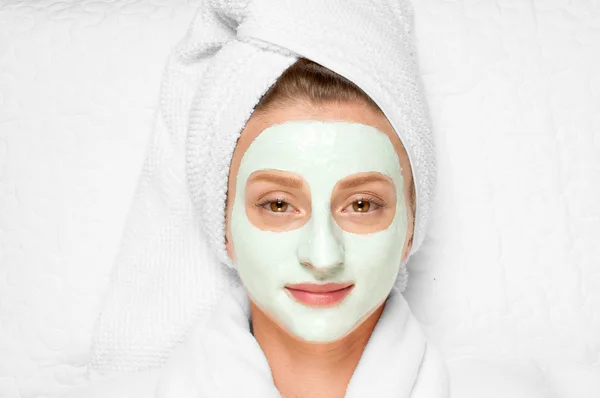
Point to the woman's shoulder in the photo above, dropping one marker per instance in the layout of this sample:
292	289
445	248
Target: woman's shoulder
497	378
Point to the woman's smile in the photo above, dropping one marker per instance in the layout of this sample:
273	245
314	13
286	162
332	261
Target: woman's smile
319	295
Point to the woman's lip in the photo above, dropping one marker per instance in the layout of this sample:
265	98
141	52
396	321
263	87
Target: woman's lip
319	295
315	288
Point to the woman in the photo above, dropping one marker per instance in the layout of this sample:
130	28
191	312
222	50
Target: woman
320	216
314	192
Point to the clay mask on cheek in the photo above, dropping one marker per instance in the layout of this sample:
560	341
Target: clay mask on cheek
322	153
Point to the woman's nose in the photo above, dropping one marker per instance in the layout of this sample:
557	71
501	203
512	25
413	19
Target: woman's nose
320	250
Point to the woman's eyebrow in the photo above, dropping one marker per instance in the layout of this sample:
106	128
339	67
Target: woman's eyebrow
288	182
357	181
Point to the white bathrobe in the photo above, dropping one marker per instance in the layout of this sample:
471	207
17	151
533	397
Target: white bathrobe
223	359
397	361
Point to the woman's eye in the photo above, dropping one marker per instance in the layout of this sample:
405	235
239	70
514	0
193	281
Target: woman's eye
363	206
278	206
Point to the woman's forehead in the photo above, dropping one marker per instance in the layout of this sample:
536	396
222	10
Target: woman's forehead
323	150
342	112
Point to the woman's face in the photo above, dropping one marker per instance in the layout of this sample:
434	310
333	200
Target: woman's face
317	215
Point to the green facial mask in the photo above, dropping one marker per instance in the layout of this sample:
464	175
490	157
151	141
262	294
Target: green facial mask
322	153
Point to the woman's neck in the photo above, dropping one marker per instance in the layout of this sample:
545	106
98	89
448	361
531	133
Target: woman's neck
301	369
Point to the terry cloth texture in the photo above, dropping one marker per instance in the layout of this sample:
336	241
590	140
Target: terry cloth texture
172	266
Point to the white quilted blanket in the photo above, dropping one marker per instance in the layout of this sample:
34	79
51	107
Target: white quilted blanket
507	282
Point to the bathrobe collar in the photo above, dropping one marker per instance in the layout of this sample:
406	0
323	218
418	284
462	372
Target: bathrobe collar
223	359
